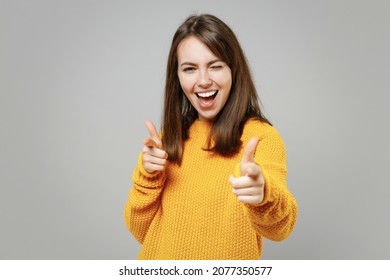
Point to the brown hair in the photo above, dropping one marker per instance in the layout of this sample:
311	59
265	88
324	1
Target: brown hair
242	104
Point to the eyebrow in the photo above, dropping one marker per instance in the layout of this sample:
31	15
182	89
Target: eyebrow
208	63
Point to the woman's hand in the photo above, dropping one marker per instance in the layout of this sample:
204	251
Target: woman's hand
154	158
249	188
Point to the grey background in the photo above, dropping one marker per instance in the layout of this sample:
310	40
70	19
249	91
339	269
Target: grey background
79	78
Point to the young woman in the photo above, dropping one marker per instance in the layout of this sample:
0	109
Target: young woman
213	183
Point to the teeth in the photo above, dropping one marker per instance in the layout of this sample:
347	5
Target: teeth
207	94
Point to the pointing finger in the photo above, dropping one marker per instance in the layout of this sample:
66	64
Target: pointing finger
249	151
155	140
151	128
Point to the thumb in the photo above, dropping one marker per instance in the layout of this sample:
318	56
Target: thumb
249	151
248	166
154	140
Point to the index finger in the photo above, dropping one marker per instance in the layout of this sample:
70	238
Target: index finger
154	135
249	150
152	129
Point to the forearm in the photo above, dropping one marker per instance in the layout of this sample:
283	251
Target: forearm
143	201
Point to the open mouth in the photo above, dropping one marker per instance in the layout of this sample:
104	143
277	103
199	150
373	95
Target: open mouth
207	96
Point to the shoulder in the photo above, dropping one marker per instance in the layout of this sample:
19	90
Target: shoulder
270	147
262	130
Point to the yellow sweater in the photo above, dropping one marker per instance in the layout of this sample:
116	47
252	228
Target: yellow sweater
190	212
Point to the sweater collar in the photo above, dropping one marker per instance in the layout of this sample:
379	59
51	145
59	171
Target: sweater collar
201	127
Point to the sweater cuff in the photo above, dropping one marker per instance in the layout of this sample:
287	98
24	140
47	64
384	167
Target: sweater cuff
269	191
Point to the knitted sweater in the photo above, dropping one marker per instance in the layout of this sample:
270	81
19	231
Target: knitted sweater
190	212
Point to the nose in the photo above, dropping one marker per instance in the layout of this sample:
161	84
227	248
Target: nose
204	80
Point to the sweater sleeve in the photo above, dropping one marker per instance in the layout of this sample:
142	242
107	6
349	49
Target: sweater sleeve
143	201
276	216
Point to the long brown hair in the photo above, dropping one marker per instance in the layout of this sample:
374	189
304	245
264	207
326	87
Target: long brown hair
242	104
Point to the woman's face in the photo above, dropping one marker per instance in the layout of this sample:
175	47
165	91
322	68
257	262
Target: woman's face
205	79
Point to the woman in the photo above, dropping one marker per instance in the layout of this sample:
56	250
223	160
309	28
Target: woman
214	182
